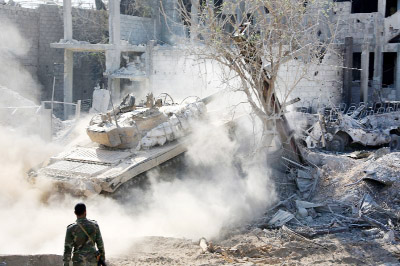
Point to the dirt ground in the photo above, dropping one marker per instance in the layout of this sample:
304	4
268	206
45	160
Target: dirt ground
341	188
270	247
254	247
335	234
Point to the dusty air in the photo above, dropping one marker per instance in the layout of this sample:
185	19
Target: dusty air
191	132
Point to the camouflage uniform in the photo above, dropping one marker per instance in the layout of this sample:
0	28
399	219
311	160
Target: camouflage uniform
84	250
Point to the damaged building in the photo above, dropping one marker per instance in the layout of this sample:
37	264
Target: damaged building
85	48
371	39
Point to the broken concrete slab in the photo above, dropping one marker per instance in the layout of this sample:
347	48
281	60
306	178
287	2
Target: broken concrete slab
307	205
385	170
304	174
203	244
332	208
303	184
280	218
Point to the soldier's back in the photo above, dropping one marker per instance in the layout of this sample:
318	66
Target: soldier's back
84	249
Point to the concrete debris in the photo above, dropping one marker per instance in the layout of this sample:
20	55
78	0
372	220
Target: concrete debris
309	219
303	213
385	170
306	180
307	205
389	237
332	207
367	204
303	184
371	232
381	152
203	244
303	174
101	100
280	218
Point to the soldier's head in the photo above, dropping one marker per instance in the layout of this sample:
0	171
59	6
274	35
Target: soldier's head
80	210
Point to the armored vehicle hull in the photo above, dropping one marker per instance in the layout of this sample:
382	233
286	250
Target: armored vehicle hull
115	156
87	170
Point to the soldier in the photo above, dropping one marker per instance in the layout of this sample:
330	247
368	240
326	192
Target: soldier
82	236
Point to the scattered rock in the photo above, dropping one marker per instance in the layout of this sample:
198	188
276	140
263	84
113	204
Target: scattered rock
381	152
309	219
302	212
307	205
304	174
360	154
203	244
388	237
371	232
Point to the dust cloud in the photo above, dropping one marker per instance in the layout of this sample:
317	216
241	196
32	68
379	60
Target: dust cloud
13	75
222	187
212	196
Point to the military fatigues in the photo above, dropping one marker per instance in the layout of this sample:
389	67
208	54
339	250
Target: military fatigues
84	250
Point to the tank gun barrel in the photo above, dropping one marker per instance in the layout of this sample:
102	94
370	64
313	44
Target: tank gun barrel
212	97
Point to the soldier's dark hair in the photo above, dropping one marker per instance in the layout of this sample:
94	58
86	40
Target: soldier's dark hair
80	208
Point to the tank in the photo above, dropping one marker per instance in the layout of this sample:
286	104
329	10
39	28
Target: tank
126	142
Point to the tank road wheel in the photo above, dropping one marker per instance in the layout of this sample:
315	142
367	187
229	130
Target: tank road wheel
394	143
337	144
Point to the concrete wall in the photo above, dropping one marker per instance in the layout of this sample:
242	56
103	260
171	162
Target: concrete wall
377	31
27	22
43	26
50	60
174	72
181	75
360	26
19	58
137	30
321	85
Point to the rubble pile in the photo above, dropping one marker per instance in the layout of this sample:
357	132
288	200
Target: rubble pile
352	193
344	209
15	108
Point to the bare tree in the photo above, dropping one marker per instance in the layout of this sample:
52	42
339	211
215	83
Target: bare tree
254	40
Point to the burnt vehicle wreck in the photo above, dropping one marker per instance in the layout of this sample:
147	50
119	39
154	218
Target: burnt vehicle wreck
335	129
